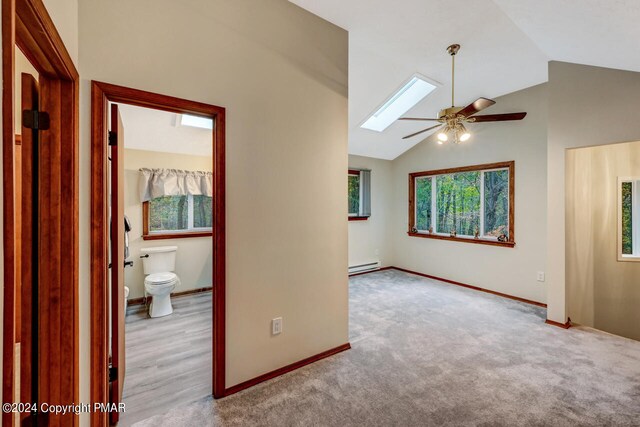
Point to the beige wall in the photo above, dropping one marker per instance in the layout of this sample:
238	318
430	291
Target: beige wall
587	106
602	292
370	240
508	270
193	258
282	75
64	14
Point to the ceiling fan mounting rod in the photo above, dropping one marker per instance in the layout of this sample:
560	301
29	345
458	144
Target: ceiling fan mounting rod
453	49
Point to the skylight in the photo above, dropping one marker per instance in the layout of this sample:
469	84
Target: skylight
401	102
196	121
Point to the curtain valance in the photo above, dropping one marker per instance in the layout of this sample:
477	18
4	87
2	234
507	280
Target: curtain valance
174	182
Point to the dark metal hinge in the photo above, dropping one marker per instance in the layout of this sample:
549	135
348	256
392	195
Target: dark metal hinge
113	373
36	120
113	138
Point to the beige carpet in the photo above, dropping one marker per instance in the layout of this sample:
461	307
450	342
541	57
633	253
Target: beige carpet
430	353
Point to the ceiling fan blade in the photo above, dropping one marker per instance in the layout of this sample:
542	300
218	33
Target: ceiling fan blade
497	117
476	106
419	118
422	131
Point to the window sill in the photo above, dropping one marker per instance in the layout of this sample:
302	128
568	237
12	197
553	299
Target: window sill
358	218
628	258
463	239
186	234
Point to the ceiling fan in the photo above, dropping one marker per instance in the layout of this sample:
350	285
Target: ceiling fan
452	120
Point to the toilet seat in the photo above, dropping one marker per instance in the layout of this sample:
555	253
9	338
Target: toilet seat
157	279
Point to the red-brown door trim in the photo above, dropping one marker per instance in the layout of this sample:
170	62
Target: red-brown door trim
27	24
101	94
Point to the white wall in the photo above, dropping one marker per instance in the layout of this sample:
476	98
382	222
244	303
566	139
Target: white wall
282	75
602	292
194	255
507	270
587	106
370	240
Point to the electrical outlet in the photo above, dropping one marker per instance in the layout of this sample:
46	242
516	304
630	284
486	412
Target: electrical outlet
540	276
276	326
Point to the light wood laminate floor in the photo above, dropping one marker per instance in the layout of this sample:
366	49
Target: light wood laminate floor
168	359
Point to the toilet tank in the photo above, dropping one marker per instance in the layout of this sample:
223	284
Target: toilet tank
160	259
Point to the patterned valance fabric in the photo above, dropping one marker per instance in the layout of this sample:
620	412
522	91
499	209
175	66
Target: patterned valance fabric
174	182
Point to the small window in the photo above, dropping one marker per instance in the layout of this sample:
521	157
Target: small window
473	203
628	219
177	216
359	194
196	121
354	194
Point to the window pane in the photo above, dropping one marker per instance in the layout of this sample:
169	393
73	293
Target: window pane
458	203
496	203
423	203
627	218
354	194
168	213
202	211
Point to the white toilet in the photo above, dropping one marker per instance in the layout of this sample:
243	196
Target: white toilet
159	264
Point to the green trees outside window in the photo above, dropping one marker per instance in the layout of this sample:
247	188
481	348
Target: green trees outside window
470	202
354	194
423	203
496	203
202	211
458	203
180	213
627	218
168	213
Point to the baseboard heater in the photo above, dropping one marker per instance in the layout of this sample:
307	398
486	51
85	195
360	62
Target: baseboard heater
364	267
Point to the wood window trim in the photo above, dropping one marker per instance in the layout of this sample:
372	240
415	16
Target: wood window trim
27	24
101	95
510	165
147	235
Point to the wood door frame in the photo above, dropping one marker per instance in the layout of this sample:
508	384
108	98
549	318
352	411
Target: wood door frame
101	95
27	24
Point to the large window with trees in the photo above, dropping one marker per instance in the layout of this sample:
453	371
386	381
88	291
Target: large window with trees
629	219
472	204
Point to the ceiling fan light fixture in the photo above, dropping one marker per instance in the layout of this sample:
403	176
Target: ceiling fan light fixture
453	118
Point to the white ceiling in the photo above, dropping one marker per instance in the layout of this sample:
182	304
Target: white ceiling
156	130
506	45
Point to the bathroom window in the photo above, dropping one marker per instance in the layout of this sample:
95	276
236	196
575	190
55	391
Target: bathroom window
629	219
171	217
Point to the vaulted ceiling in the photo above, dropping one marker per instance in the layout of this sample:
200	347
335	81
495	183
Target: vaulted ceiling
506	45
155	130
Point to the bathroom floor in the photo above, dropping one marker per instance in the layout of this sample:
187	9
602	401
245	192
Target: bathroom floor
168	359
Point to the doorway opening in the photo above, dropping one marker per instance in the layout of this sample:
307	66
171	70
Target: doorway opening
177	197
165	192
